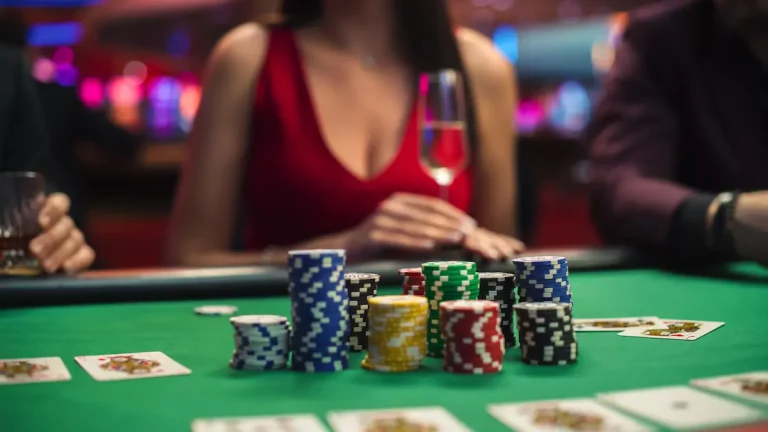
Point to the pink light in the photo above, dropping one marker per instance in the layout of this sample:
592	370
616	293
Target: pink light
44	70
123	92
530	115
92	92
63	56
189	101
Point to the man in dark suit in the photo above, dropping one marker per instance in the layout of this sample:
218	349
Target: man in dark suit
69	123
682	128
24	147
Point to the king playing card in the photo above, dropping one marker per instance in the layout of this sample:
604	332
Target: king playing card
33	370
686	330
113	367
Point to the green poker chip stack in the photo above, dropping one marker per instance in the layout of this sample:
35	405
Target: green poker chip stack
444	281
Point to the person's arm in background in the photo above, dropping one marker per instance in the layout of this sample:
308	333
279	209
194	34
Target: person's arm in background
61	246
634	151
495	97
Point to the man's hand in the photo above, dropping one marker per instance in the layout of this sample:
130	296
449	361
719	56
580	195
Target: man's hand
61	246
750	232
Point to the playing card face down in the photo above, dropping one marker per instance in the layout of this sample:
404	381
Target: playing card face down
286	423
680	407
33	370
113	367
687	330
751	385
616	324
564	416
432	419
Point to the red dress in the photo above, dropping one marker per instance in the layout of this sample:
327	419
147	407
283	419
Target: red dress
295	188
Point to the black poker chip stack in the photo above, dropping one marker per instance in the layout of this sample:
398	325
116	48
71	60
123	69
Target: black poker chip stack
360	288
500	288
546	333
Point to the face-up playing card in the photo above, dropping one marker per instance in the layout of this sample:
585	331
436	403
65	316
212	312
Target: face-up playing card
288	423
752	427
33	370
113	367
433	419
752	385
680	407
616	324
564	416
686	330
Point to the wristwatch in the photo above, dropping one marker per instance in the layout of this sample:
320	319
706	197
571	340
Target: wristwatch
722	223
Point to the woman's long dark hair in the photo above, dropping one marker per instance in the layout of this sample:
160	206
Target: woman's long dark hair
426	40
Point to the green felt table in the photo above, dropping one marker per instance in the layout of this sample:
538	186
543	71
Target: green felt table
607	362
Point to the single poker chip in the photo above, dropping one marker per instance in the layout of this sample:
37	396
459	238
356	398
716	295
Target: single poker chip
361	277
258	320
216	310
533	260
448	266
415	271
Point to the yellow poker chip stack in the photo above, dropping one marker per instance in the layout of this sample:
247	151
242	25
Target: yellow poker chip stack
398	333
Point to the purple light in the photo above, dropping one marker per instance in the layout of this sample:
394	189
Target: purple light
66	75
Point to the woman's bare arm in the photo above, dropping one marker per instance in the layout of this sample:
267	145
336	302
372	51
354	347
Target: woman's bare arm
495	95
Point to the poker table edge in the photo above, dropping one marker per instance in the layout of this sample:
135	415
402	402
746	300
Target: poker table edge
233	282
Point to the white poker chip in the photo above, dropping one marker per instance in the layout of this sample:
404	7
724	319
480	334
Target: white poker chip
215	310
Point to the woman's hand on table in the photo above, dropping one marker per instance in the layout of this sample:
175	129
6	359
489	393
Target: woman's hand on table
491	245
411	222
61	245
421	223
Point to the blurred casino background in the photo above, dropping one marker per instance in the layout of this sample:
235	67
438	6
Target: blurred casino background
141	61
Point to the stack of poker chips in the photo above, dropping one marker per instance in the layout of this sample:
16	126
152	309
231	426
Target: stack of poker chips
413	281
543	279
500	287
319	310
262	342
444	281
397	340
474	343
360	288
546	333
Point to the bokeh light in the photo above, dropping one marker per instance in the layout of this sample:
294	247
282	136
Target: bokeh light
571	107
507	41
66	75
44	70
136	71
63	56
530	116
92	92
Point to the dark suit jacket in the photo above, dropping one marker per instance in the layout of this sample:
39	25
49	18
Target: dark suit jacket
69	123
684	116
23	138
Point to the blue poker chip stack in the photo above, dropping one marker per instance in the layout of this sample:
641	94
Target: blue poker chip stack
262	342
319	310
542	279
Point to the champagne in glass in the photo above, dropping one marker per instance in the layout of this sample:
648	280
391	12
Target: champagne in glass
442	126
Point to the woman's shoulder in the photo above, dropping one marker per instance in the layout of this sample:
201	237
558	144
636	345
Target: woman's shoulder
243	47
481	58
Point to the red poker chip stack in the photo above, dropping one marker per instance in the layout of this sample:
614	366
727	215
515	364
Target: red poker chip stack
474	343
413	281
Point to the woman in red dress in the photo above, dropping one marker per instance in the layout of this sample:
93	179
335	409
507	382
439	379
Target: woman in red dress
307	133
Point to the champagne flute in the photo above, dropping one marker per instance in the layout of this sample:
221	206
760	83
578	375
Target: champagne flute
443	152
